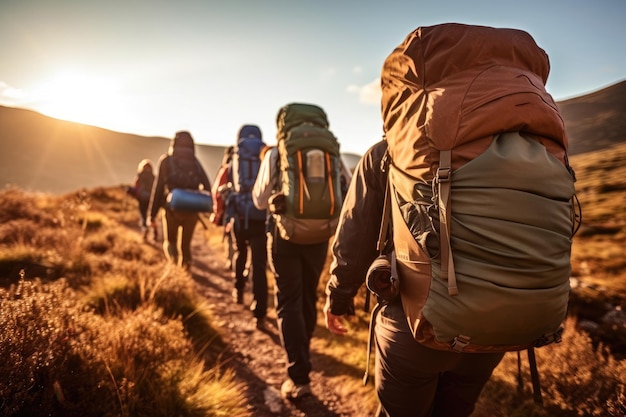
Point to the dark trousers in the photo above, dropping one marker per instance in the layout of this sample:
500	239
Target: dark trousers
253	238
415	381
178	228
143	212
297	269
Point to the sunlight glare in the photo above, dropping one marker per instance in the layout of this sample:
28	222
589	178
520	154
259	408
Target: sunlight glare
79	98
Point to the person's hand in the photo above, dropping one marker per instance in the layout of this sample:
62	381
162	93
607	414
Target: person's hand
228	226
334	323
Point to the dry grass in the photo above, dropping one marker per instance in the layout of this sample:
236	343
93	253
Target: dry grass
93	321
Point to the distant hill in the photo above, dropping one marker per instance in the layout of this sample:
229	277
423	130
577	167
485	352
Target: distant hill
597	120
40	153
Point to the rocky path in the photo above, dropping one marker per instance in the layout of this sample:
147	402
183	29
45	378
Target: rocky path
257	356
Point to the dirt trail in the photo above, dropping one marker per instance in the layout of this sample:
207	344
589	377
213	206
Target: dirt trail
257	356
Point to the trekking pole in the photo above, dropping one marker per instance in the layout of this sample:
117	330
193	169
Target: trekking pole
534	375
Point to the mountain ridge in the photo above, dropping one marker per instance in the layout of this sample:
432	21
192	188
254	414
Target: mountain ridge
44	154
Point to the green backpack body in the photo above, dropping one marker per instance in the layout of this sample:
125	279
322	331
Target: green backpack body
309	170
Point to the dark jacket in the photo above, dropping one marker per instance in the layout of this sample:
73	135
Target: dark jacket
143	185
354	245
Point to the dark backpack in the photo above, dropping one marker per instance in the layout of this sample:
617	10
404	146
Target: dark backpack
143	185
310	179
245	168
481	194
183	172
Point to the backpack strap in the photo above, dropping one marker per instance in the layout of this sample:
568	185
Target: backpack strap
534	375
384	222
443	181
329	182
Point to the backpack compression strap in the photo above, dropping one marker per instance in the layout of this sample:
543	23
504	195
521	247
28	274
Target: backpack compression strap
443	181
329	183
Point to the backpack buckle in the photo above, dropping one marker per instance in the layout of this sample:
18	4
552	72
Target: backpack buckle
460	342
546	339
443	174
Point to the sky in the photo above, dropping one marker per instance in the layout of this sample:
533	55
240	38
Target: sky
155	67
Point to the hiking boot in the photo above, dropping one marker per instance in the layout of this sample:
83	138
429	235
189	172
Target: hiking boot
292	391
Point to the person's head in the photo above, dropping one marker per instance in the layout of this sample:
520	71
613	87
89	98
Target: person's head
182	141
144	165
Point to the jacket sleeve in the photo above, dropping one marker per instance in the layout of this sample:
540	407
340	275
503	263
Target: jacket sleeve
266	180
354	244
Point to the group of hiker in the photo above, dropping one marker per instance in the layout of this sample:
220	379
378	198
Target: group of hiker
459	221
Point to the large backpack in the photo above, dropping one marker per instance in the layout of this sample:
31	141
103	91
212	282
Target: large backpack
183	180
245	168
481	194
310	180
183	172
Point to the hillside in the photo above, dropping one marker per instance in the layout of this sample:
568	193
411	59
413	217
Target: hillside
40	153
96	323
597	120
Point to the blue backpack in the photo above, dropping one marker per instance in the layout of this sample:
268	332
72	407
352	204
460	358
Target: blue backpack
245	167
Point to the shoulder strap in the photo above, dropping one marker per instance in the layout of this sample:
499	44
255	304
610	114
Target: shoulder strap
443	182
384	223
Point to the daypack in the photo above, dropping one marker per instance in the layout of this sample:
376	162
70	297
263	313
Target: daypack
309	170
245	167
220	192
481	193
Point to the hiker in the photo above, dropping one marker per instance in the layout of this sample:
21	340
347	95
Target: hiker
222	188
411	380
297	248
141	191
248	222
178	169
433	355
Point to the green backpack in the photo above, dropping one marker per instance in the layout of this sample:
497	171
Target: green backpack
310	192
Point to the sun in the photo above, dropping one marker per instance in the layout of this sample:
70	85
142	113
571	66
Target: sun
79	97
